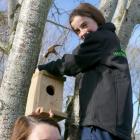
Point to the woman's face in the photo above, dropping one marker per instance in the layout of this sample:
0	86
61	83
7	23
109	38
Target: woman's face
44	132
83	25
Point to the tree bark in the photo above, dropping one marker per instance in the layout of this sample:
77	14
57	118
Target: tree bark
119	12
11	8
130	18
72	130
21	62
108	7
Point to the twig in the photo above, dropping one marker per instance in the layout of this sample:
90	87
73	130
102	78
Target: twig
57	24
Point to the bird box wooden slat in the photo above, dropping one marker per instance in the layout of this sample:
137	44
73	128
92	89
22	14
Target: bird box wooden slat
46	91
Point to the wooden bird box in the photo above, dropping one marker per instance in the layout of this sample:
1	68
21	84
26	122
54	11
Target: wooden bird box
46	91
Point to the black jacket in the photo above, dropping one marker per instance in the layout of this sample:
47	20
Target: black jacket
105	90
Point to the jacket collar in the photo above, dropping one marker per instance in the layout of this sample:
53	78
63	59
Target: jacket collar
107	26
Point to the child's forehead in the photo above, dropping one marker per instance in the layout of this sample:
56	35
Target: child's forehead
78	20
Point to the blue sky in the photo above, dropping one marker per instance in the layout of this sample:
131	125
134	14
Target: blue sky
3	5
68	5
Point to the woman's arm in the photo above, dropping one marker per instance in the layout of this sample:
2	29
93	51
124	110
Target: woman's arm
88	54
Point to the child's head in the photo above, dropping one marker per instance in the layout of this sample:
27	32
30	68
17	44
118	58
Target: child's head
35	127
85	18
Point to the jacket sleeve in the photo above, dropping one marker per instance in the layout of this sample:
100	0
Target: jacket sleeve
89	53
65	66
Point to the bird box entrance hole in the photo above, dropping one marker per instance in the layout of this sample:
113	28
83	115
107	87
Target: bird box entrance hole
46	90
50	90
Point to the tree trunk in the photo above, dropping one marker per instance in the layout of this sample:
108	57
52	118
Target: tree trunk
130	18
11	8
4	35
72	131
108	7
21	62
119	12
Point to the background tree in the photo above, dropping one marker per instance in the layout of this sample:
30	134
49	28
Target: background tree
3	40
22	62
133	51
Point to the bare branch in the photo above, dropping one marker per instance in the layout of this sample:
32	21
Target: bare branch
108	7
57	9
119	12
13	13
11	7
129	19
57	24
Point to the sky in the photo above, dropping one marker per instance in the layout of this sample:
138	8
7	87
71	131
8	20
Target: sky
3	5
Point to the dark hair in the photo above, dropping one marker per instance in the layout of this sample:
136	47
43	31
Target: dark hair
23	125
87	10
